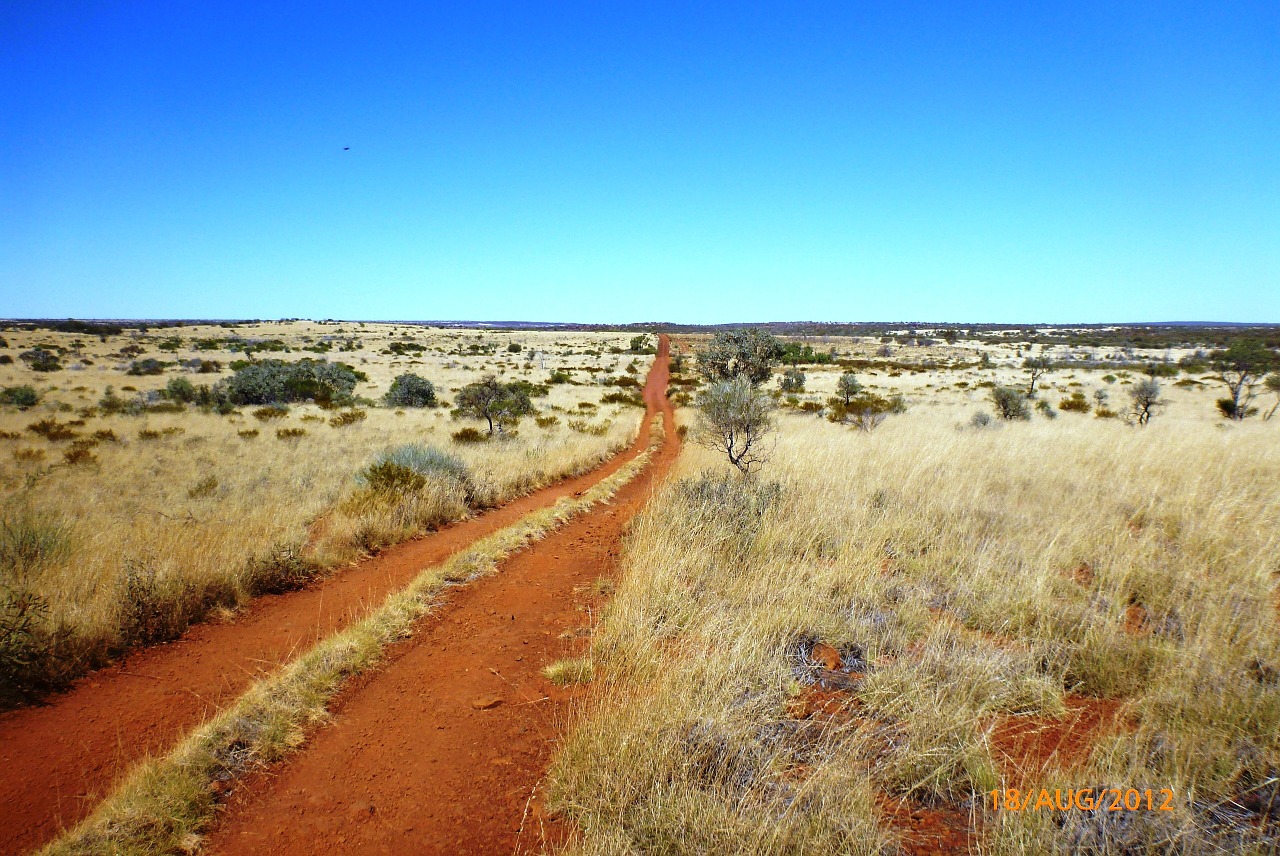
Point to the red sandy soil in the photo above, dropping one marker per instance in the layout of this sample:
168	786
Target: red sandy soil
444	748
1024	746
60	759
931	830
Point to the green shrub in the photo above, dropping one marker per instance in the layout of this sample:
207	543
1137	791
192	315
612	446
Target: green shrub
792	380
278	382
546	421
290	433
181	390
148	366
248	433
41	360
409	390
469	435
1045	409
500	404
20	397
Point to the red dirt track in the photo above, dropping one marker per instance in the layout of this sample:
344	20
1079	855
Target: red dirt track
62	758
442	750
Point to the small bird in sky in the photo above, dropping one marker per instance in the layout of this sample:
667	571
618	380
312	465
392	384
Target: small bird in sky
346	148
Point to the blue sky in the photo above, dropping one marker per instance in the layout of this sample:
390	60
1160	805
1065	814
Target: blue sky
646	161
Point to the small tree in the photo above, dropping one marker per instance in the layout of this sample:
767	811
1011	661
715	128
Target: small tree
41	360
847	387
751	353
1010	403
499	404
1145	400
792	380
1241	367
409	390
1273	386
734	419
1035	367
181	390
640	344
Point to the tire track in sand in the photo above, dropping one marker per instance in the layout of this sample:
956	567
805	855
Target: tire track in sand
62	758
442	749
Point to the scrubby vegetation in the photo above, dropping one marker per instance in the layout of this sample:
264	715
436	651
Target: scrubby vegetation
793	663
158	485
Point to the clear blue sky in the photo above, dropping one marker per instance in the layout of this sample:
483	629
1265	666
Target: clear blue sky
644	161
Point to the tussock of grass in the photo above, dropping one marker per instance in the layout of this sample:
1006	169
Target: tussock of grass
165	804
948	565
572	670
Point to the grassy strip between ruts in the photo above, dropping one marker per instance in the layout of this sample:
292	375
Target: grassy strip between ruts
165	804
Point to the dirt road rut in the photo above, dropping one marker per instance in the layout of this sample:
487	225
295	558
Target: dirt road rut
443	749
62	758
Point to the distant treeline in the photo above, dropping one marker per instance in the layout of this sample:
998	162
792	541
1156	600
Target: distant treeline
1158	336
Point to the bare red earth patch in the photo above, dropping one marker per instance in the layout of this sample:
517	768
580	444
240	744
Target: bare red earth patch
418	759
61	758
929	830
1024	746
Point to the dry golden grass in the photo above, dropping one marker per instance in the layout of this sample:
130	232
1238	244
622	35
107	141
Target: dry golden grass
165	804
164	516
974	577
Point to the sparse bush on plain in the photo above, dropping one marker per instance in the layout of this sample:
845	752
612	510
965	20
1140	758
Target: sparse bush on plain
53	430
1036	368
21	397
181	390
41	360
751	353
469	435
1241	368
847	387
278	382
735	420
792	380
1075	403
149	366
268	414
1145	400
429	462
500	404
348	417
1010	404
410	390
